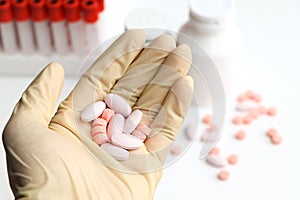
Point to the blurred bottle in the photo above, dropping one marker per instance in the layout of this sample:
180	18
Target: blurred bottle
212	25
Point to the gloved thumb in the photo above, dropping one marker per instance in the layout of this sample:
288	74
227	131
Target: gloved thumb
38	102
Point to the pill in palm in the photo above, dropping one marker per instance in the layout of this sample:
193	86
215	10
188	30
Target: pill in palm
144	129
118	104
116	125
126	141
216	160
99	122
132	121
92	111
139	135
100	138
107	114
98	129
116	152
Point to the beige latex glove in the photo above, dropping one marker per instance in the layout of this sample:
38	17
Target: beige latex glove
50	153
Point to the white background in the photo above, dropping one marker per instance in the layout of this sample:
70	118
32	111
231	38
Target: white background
270	65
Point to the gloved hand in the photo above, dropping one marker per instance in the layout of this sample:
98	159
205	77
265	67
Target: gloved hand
50	153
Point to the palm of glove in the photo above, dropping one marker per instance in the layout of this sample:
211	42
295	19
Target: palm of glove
53	157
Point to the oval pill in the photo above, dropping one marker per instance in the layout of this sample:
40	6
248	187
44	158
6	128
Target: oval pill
118	104
99	122
139	135
246	105
92	111
116	125
215	151
210	137
116	152
216	160
189	133
132	121
98	129
126	141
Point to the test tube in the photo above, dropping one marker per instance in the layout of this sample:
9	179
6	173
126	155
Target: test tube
23	25
41	26
58	26
90	16
7	29
75	26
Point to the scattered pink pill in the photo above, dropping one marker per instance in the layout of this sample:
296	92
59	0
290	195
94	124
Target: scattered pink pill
248	119
272	111
276	139
107	114
271	132
257	98
176	150
232	159
262	110
250	94
238	120
215	151
206	119
240	135
223	175
254	113
241	98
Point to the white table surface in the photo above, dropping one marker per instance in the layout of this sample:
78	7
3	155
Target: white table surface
270	65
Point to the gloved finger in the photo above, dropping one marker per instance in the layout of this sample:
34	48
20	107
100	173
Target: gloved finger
144	68
38	102
175	66
169	119
107	70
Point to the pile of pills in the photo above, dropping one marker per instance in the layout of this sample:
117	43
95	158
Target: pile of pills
248	108
115	127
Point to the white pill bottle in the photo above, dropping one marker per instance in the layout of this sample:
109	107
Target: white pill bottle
212	25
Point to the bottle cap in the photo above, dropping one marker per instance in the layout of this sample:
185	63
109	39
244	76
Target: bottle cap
55	10
90	10
20	10
72	10
5	11
38	10
101	5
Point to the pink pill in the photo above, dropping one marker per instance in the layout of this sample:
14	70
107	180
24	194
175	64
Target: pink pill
223	175
254	113
126	141
139	135
271	132
207	119
276	139
241	98
240	135
233	159
98	129
92	111
250	94
237	120
262	110
257	98
144	129
116	125
176	150
107	114
100	138
248	119
272	111
246	105
215	151
132	121
99	122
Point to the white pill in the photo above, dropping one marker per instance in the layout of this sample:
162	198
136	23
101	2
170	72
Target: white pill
210	137
116	152
190	132
118	104
116	125
247	105
216	160
126	141
132	121
92	111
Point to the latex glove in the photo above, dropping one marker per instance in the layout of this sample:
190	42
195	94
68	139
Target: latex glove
50	153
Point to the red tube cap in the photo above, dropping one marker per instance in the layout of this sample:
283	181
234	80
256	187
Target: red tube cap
101	5
90	10
38	10
55	10
72	10
5	11
20	10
